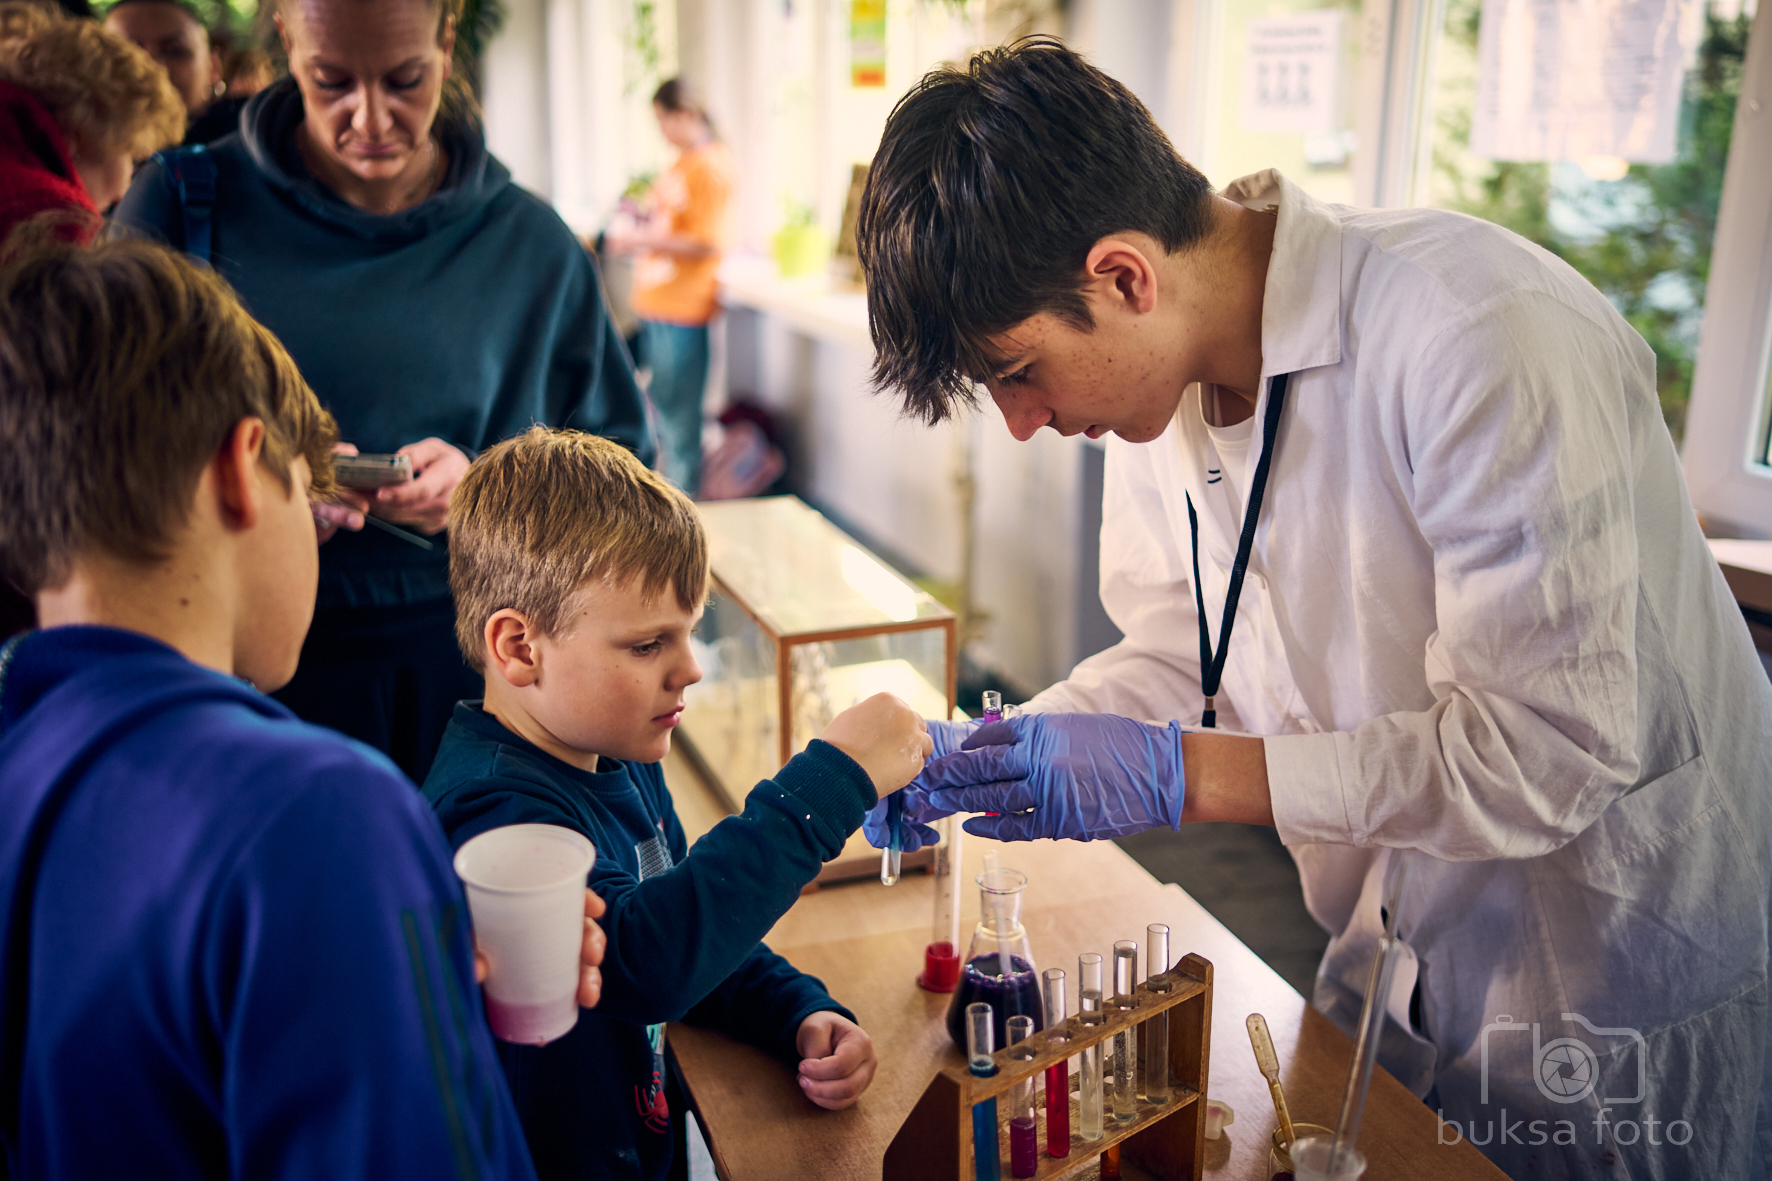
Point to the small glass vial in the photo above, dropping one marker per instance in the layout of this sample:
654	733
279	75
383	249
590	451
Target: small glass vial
1156	1028
1124	1066
1090	1013
1024	1132
980	1045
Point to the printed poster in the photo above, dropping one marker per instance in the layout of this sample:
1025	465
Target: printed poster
1291	73
1569	79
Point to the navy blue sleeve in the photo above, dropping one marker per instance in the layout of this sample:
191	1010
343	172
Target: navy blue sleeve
677	936
764	1002
150	207
338	964
592	373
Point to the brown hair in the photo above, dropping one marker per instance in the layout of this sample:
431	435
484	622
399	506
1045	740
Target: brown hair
990	186
539	516
123	367
104	92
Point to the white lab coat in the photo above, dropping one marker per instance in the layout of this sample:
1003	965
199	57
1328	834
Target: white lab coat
1480	625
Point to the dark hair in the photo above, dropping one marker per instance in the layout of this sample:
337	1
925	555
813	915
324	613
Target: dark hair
677	95
990	187
183	6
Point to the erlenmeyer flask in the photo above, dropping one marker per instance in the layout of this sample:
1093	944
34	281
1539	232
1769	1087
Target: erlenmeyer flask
1011	988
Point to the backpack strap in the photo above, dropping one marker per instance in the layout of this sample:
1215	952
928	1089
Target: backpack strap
192	174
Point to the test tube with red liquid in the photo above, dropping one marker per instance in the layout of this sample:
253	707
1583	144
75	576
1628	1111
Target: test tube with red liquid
1058	1076
941	959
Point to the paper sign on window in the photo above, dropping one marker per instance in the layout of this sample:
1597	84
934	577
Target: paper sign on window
1291	71
1571	79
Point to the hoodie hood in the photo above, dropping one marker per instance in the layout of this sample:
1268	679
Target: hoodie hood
268	129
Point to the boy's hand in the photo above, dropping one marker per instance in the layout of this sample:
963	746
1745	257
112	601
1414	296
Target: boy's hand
886	737
344	511
838	1059
590	954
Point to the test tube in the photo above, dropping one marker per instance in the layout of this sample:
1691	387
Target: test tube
1125	1054
941	959
980	1044
1156	1027
1058	1076
1089	1013
993	706
1110	1164
1024	1133
892	856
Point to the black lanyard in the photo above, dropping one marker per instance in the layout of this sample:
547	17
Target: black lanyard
1211	664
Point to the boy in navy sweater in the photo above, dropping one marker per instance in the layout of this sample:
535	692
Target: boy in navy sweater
578	578
231	944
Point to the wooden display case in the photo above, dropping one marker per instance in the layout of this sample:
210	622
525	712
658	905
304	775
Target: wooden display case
803	622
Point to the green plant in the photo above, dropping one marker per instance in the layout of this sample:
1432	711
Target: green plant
1645	240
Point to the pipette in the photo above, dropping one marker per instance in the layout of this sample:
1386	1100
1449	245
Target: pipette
1372	1013
1269	1064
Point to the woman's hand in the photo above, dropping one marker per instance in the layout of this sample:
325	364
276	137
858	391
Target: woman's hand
837	1059
344	511
423	501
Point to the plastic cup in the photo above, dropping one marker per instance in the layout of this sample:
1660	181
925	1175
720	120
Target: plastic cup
525	885
1310	1160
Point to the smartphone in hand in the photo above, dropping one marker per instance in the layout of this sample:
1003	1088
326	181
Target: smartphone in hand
365	473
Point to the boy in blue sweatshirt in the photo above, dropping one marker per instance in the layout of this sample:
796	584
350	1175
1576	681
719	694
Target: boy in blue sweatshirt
231	944
578	577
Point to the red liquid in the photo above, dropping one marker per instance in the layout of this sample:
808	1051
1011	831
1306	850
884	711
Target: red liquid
1058	1109
1024	1148
941	968
1110	1164
532	1025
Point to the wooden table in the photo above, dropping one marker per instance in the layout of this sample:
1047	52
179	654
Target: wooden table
866	941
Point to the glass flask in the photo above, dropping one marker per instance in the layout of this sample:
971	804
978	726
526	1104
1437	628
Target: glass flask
999	966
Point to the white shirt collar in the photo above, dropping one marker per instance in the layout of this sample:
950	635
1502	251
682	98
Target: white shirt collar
1301	305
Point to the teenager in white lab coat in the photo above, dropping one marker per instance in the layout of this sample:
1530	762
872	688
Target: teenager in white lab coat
1478	628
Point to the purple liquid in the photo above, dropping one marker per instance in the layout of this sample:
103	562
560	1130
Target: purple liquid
1017	994
1024	1148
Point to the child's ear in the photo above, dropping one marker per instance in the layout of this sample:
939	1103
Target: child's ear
510	648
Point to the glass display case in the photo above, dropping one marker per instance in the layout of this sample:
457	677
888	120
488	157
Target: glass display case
803	623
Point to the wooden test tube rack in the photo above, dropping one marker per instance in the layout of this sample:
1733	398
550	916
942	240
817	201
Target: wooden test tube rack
935	1141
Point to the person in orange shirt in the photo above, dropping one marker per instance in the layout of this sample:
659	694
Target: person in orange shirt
674	285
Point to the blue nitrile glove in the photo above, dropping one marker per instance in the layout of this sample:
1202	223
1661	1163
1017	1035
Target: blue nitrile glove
1085	777
947	737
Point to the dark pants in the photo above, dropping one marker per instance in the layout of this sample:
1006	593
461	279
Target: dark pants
387	676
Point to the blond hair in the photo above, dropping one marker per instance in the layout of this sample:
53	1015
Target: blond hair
539	516
123	368
104	92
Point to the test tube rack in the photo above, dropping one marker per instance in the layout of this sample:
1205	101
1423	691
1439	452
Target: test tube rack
935	1141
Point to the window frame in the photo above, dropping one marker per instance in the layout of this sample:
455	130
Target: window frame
1726	423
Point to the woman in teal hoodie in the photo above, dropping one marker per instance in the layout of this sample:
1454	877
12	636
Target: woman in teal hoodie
433	305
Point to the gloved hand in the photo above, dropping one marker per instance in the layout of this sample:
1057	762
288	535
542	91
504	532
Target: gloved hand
948	737
1081	777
